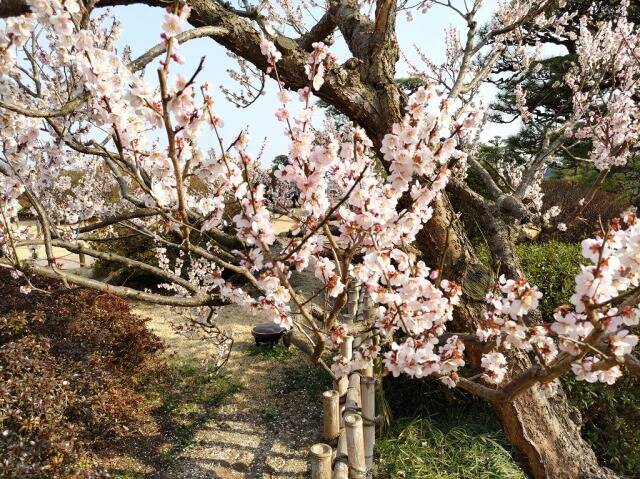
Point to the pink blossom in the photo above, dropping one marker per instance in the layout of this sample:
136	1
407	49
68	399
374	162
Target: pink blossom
171	25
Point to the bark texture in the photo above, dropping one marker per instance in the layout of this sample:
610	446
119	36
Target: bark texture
546	432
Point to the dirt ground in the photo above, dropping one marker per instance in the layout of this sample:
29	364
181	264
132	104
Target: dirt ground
263	430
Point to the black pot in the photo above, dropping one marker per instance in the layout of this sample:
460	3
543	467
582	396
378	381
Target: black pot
269	334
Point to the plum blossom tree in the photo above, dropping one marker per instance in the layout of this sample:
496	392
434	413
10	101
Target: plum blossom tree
374	192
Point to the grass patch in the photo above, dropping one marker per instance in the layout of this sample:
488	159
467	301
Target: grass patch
269	414
302	376
277	352
441	448
441	433
185	399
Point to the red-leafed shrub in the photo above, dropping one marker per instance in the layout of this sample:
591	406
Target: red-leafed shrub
566	194
66	363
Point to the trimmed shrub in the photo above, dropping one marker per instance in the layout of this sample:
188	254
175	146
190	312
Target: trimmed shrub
552	267
566	194
66	359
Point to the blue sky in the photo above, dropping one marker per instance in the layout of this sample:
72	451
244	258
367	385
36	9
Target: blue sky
141	30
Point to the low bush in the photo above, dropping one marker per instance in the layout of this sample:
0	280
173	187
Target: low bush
80	382
64	360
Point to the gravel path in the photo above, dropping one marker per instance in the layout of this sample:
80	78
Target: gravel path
264	430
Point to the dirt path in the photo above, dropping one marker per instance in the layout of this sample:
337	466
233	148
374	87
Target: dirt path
265	429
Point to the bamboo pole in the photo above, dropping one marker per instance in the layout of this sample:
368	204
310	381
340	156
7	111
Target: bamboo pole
346	350
341	468
331	414
367	305
341	386
352	403
355	446
368	393
353	296
320	461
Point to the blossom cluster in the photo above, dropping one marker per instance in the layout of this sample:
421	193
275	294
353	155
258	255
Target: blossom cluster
598	321
354	225
607	116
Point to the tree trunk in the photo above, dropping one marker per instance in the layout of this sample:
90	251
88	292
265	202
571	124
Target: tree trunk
547	435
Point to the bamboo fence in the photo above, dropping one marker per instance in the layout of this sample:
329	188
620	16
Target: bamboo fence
348	426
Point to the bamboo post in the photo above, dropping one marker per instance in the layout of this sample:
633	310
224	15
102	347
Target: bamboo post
342	385
347	352
341	468
347	348
320	461
352	403
368	393
353	296
367	305
331	414
355	446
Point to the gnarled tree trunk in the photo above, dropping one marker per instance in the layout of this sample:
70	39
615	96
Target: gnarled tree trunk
547	434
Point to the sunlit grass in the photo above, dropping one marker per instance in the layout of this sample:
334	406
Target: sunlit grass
445	449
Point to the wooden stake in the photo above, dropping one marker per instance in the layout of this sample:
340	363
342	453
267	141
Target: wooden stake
320	461
368	393
355	446
331	414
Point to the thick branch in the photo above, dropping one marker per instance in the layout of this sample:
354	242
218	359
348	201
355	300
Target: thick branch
320	31
125	292
79	249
